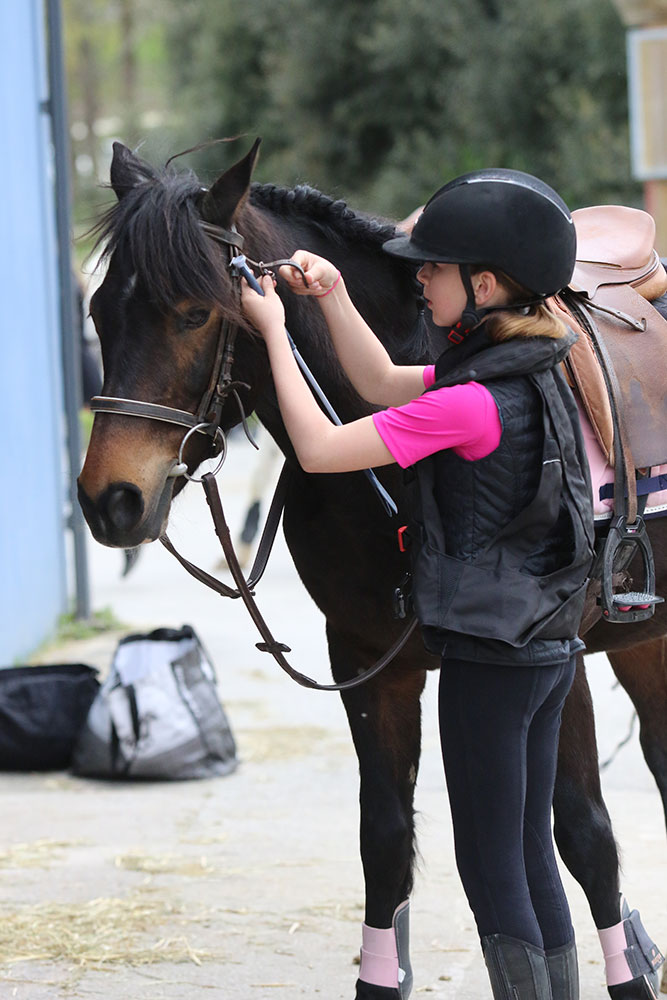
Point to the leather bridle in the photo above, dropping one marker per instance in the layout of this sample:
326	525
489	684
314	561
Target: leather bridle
206	420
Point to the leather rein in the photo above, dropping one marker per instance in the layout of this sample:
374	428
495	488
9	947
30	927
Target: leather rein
206	420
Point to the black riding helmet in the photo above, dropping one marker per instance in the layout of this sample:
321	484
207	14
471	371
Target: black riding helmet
505	219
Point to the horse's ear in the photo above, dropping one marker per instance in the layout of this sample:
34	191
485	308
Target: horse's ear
223	200
126	170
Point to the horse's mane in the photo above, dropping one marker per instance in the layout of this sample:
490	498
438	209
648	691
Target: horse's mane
332	216
157	225
156	228
341	226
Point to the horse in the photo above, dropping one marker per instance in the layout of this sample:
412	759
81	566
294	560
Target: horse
158	313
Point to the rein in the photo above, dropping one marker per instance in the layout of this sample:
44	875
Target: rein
206	420
244	587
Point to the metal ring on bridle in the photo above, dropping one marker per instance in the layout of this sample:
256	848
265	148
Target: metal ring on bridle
223	450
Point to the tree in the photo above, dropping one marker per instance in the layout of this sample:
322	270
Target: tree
381	101
378	102
116	75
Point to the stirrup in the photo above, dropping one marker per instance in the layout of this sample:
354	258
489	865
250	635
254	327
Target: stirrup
637	605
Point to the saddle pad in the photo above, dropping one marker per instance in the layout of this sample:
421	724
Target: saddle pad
602	473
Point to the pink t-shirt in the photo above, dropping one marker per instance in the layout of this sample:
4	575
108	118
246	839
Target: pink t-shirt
464	418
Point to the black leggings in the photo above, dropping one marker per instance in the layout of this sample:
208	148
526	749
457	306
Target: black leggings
499	732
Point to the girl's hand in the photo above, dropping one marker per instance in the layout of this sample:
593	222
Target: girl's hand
320	274
265	313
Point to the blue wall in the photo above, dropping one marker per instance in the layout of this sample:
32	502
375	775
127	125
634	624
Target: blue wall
33	588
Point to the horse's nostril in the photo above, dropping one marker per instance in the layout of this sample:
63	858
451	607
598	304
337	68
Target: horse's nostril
123	505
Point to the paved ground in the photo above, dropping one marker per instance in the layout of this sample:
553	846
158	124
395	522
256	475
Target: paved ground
249	886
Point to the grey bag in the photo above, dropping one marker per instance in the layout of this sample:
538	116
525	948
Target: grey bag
158	714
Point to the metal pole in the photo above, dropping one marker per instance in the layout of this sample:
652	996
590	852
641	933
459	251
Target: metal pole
69	328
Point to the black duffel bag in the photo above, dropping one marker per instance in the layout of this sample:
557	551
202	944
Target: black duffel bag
42	712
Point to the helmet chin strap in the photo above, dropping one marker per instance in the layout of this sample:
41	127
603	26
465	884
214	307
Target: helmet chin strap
472	316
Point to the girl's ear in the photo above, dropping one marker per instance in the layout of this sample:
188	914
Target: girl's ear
485	285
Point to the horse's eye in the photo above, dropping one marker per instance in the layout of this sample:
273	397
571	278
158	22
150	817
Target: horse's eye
194	318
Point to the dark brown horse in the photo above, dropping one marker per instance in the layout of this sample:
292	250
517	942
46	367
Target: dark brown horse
158	314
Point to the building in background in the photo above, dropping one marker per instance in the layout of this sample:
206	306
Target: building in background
646	21
35	432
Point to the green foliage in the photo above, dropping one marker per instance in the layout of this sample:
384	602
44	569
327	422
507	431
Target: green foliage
383	101
70	627
379	101
116	63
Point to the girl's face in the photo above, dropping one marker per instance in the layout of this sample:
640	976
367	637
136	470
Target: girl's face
443	291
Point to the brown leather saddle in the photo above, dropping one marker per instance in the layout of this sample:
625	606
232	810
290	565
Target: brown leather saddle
617	273
619	367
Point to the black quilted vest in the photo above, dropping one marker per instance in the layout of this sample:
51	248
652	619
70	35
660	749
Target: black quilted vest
504	544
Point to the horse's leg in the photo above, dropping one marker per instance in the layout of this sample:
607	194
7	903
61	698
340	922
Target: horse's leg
642	671
585	840
385	721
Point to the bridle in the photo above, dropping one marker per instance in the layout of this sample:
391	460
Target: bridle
206	420
208	414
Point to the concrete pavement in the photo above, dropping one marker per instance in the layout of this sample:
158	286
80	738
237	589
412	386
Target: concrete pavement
250	886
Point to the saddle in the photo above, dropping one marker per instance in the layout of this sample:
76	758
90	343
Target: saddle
617	272
619	368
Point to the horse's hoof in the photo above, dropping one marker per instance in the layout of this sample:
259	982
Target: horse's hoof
643	988
366	991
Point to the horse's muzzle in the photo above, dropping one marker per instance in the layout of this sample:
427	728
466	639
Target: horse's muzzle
119	518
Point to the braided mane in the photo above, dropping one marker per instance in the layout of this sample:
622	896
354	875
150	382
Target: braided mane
156	227
332	216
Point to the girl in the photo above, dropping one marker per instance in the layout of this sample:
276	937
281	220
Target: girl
502	535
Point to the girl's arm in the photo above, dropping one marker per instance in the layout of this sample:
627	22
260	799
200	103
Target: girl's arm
364	359
320	445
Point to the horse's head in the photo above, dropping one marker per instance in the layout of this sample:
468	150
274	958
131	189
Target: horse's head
163	315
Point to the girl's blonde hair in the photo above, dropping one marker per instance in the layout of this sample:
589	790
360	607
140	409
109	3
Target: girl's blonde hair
536	321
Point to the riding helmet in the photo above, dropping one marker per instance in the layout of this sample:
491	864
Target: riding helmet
505	219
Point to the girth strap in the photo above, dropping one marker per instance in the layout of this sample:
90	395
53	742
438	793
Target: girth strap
244	587
656	484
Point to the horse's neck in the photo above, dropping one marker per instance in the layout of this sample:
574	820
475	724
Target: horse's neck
380	289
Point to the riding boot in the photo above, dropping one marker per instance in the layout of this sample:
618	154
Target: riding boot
517	970
563	972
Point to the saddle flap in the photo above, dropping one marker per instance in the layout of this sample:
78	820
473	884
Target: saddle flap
640	363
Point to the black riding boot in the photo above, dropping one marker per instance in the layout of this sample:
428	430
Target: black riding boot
563	972
517	970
